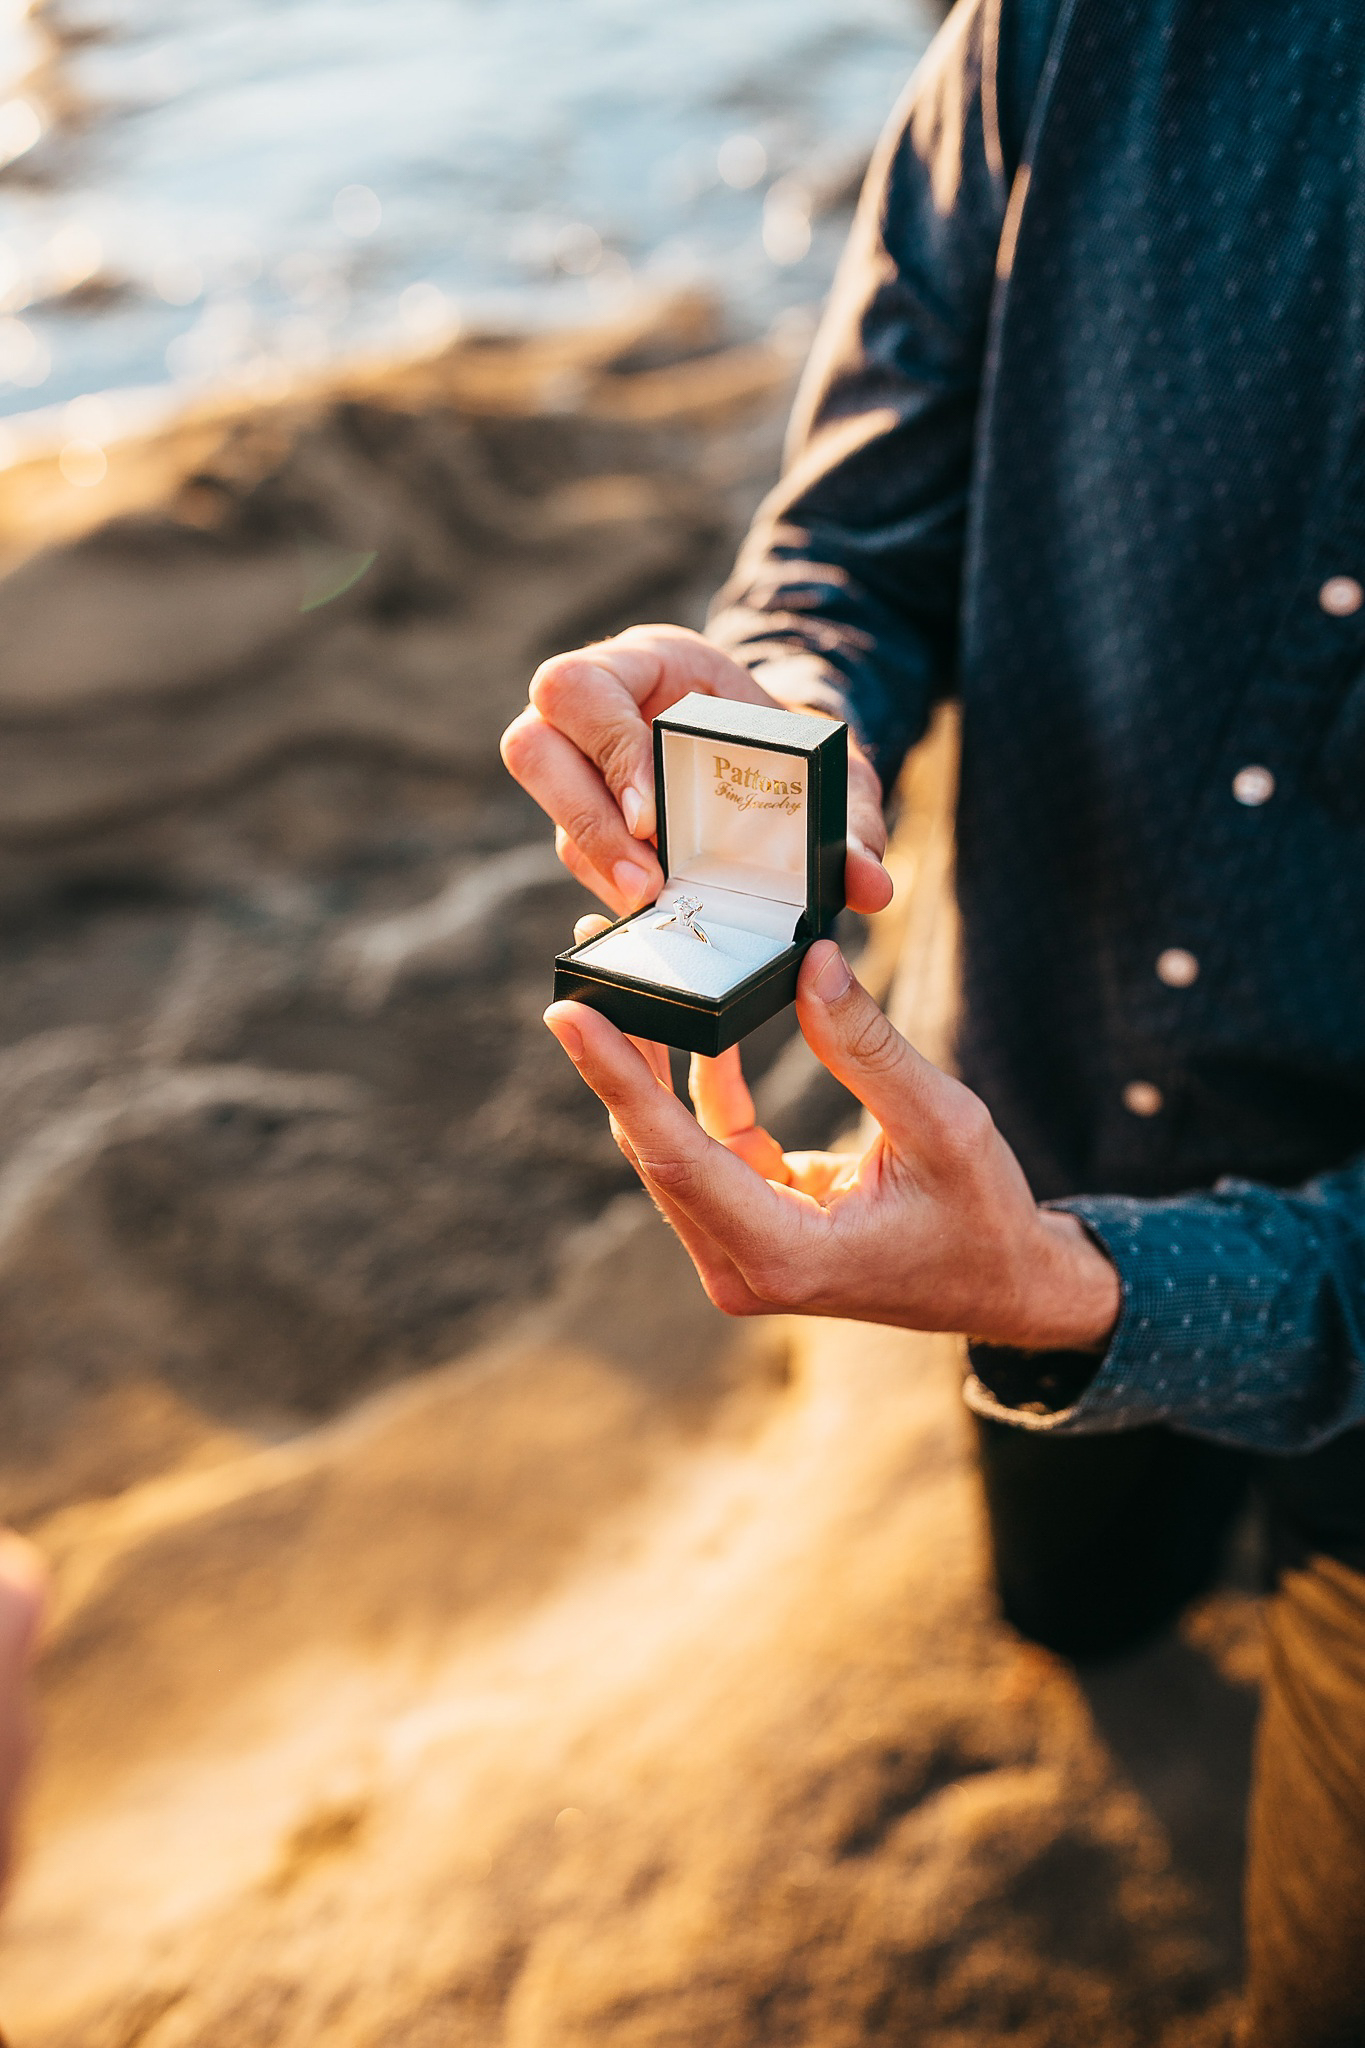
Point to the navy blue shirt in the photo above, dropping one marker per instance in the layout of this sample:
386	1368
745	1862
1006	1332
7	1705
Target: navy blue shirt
1082	444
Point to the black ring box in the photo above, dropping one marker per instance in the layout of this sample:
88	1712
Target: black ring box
752	781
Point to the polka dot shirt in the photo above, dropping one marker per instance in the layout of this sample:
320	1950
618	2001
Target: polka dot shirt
1082	444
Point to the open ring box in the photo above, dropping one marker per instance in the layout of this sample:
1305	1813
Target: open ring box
753	808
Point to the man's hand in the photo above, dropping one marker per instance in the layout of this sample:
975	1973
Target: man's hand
933	1228
584	751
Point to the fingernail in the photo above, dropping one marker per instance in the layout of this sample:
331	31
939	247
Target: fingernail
631	880
834	979
857	845
632	809
569	1035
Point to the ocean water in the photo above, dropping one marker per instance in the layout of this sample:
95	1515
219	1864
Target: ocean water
199	190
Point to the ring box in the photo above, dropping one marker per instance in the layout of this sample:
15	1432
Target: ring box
753	822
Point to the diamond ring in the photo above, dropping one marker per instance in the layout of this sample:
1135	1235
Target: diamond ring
684	915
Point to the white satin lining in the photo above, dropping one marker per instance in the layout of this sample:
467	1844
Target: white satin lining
672	958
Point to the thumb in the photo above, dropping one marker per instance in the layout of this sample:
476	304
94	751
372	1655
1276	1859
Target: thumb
913	1101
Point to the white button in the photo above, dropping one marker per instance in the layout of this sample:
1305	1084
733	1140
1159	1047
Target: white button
1252	786
1176	967
1143	1098
1340	596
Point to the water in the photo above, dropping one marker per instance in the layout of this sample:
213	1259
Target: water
208	189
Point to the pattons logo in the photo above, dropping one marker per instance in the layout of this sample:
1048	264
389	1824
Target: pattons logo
751	790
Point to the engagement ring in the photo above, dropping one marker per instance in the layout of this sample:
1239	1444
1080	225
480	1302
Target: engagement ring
684	915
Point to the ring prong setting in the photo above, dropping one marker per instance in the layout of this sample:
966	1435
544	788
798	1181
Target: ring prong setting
684	916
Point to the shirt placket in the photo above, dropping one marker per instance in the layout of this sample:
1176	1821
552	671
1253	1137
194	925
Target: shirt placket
1241	824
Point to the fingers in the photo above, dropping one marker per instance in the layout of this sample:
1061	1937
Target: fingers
566	851
718	1273
583	750
567	785
720	1095
725	1110
657	1055
682	661
867	885
760	1150
602	698
927	1115
588	698
708	1185
821	1175
656	1059
712	1083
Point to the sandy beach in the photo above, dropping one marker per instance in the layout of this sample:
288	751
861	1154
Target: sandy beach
462	1634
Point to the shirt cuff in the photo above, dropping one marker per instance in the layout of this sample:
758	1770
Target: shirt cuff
1185	1315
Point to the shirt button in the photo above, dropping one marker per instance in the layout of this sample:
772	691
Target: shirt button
1176	967
1340	596
1253	786
1143	1098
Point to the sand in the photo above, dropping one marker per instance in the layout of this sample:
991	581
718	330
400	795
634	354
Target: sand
463	1634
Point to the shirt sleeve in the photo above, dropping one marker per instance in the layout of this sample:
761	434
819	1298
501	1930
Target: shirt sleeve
1243	1320
845	596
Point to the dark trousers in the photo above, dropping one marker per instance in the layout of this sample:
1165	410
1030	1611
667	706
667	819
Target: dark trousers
1099	1542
